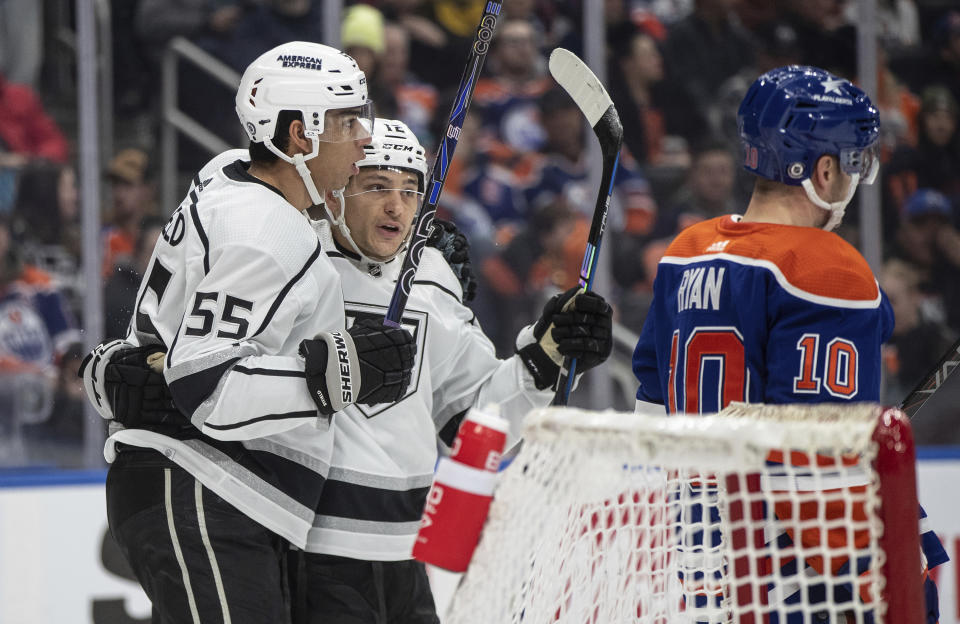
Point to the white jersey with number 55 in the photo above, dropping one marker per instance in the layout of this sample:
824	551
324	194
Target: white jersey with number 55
236	281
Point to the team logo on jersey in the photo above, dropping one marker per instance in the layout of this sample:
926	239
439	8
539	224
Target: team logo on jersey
415	322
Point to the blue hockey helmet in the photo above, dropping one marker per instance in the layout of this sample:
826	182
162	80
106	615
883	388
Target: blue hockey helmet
792	115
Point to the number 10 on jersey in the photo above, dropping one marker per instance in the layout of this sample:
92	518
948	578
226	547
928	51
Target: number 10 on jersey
714	369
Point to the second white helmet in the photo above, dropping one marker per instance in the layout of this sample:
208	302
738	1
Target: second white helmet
395	146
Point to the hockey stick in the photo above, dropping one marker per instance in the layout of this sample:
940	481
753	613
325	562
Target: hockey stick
591	98
933	380
424	221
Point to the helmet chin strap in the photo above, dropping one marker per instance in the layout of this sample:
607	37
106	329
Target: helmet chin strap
299	161
341	224
837	208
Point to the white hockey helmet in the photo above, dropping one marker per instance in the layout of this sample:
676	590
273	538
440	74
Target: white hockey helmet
313	79
393	146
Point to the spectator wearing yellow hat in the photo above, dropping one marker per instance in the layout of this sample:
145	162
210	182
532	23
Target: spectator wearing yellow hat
362	37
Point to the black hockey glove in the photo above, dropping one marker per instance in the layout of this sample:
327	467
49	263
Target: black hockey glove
456	251
573	324
132	385
370	363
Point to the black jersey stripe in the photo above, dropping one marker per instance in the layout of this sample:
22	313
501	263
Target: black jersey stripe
284	416
190	391
335	254
268	372
286	289
360	502
195	217
173	343
440	286
290	477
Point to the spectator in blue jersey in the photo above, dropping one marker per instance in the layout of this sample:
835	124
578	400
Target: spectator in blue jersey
771	306
506	99
36	329
562	167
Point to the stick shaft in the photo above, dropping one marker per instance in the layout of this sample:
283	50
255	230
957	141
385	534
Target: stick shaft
610	134
912	403
441	164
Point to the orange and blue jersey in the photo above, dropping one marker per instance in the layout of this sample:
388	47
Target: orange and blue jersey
764	313
761	312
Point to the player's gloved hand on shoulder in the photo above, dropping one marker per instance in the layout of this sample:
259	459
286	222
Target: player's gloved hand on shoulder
455	247
573	324
369	363
125	383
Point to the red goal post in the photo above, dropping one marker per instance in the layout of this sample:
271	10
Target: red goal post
748	516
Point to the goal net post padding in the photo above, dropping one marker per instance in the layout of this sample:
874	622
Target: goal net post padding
758	514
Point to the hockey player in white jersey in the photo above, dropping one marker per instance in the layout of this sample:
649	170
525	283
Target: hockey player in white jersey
204	509
358	566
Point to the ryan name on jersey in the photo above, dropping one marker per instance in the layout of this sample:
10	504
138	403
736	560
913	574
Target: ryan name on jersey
700	288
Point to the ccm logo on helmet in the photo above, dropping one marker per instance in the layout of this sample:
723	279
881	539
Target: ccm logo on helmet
343	357
398	147
306	62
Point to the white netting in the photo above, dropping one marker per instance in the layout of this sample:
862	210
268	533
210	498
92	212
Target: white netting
753	515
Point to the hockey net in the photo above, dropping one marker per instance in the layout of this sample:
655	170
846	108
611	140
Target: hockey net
757	514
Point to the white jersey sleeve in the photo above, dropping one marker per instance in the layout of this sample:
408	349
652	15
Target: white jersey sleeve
466	371
236	281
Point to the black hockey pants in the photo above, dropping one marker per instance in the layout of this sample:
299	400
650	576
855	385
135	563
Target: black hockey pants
337	590
199	559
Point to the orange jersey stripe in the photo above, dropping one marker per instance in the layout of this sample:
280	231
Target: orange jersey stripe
810	259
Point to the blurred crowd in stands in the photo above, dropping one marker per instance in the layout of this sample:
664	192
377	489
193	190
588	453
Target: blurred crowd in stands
520	184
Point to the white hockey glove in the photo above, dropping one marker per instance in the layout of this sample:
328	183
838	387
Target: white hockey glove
370	363
92	373
573	324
